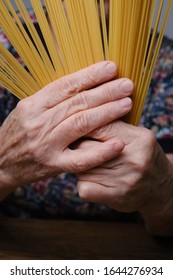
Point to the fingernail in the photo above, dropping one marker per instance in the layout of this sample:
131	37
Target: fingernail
127	86
110	67
125	102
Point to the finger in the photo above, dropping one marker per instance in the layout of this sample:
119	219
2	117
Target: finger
105	93
105	167
83	123
83	144
116	129
80	160
93	192
98	193
72	84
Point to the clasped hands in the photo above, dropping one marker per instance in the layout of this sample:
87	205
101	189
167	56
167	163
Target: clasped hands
36	137
116	163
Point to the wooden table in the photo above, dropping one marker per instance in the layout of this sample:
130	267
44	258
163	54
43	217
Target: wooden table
84	240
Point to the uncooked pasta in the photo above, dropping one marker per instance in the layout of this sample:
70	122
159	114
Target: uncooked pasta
78	33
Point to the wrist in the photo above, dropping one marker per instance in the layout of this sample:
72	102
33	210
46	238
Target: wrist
158	213
159	223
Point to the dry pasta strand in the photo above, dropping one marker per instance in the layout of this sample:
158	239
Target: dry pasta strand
78	33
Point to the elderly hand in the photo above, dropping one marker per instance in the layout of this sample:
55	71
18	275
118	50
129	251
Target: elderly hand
139	179
36	136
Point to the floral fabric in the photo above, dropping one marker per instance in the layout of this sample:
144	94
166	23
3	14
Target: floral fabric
158	109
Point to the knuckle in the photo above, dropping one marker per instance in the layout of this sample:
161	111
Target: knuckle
104	131
24	124
24	105
139	164
149	143
69	85
149	138
80	165
81	123
108	91
94	72
90	76
79	102
141	167
82	99
108	111
93	76
20	106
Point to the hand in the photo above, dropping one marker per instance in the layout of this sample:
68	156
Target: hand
36	136
138	179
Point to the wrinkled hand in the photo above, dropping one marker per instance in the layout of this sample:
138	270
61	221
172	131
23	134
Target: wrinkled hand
36	136
140	178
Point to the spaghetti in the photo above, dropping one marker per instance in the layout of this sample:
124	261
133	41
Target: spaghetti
76	34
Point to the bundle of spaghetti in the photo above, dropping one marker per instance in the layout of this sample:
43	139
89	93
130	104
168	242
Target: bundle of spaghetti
78	34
